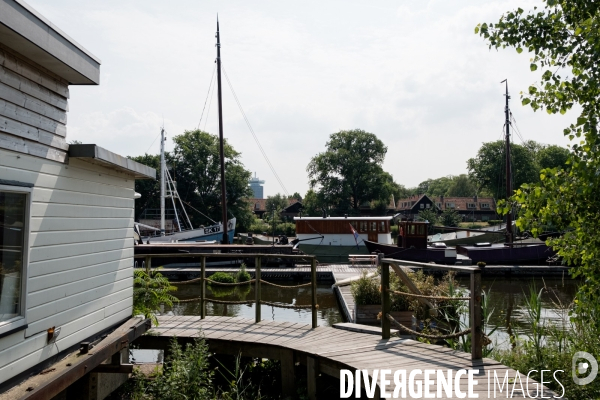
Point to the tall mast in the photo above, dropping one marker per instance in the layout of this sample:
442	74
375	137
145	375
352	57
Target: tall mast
162	181
221	152
509	189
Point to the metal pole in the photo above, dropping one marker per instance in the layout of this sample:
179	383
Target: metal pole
257	289
509	232
385	300
203	288
273	223
313	286
163	178
476	316
221	150
148	264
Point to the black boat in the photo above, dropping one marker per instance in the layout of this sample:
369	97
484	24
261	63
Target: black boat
412	245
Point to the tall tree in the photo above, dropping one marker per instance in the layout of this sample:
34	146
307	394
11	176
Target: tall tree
310	204
552	157
274	205
487	169
564	40
194	165
461	186
349	173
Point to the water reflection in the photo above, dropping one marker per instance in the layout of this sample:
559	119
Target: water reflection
507	300
327	315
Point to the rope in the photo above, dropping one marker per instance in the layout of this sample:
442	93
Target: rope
290	306
186	282
286	287
422	296
424	335
229	302
229	284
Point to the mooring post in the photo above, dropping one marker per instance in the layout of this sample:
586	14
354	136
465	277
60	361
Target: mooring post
313	286
202	287
148	264
257	289
385	300
476	316
312	372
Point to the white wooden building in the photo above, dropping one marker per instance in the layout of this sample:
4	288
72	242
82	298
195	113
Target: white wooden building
66	212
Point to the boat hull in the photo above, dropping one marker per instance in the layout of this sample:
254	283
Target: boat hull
499	254
438	256
206	234
331	253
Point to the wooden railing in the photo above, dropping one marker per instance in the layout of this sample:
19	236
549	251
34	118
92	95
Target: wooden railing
257	275
475	302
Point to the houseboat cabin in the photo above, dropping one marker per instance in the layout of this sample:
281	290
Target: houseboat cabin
412	234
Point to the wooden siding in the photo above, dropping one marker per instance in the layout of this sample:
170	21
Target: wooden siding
33	108
340	226
80	272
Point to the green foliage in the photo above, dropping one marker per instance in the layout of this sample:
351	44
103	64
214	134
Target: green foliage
365	290
242	274
277	202
435	187
563	38
222	277
349	173
552	157
310	204
150	291
285	228
488	168
258	226
185	376
461	186
196	169
450	217
551	346
493	222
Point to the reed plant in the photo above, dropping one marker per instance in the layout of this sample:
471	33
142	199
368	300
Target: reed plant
151	290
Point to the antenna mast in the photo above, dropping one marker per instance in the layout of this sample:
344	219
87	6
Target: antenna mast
162	181
221	151
509	189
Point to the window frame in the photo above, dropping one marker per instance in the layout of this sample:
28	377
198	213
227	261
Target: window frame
20	322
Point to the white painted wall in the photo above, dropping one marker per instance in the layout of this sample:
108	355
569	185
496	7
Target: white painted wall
80	272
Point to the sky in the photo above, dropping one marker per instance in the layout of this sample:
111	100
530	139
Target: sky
411	72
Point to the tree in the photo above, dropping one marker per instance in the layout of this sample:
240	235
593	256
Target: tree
430	215
194	166
552	157
296	196
563	38
450	217
488	168
310	205
461	186
435	187
349	173
275	203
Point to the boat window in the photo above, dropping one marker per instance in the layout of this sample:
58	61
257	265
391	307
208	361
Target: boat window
421	230
382	227
353	223
363	226
411	230
373	226
13	261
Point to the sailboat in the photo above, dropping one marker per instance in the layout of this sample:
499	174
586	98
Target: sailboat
213	233
510	252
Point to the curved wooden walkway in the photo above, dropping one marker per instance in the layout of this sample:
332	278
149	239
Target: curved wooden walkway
326	350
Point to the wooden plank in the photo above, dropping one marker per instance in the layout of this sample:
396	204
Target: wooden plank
79	236
33	89
38	283
32	133
29	147
21	114
48	224
60	251
33	72
44	195
47	267
79	211
60	312
31	103
312	372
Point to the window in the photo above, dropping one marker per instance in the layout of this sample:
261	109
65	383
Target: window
257	206
428	205
373	226
14	222
382	226
449	205
422	205
471	205
485	205
363	226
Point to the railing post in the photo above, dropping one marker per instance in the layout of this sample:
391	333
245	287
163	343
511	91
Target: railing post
257	289
385	300
203	287
476	316
148	264
313	287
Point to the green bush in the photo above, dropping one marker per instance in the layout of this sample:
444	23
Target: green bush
493	222
222	277
286	228
150	291
242	274
365	290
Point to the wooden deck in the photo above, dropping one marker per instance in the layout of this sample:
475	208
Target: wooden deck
325	350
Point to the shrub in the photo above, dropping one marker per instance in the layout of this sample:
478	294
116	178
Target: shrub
493	222
151	290
222	277
365	290
243	275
